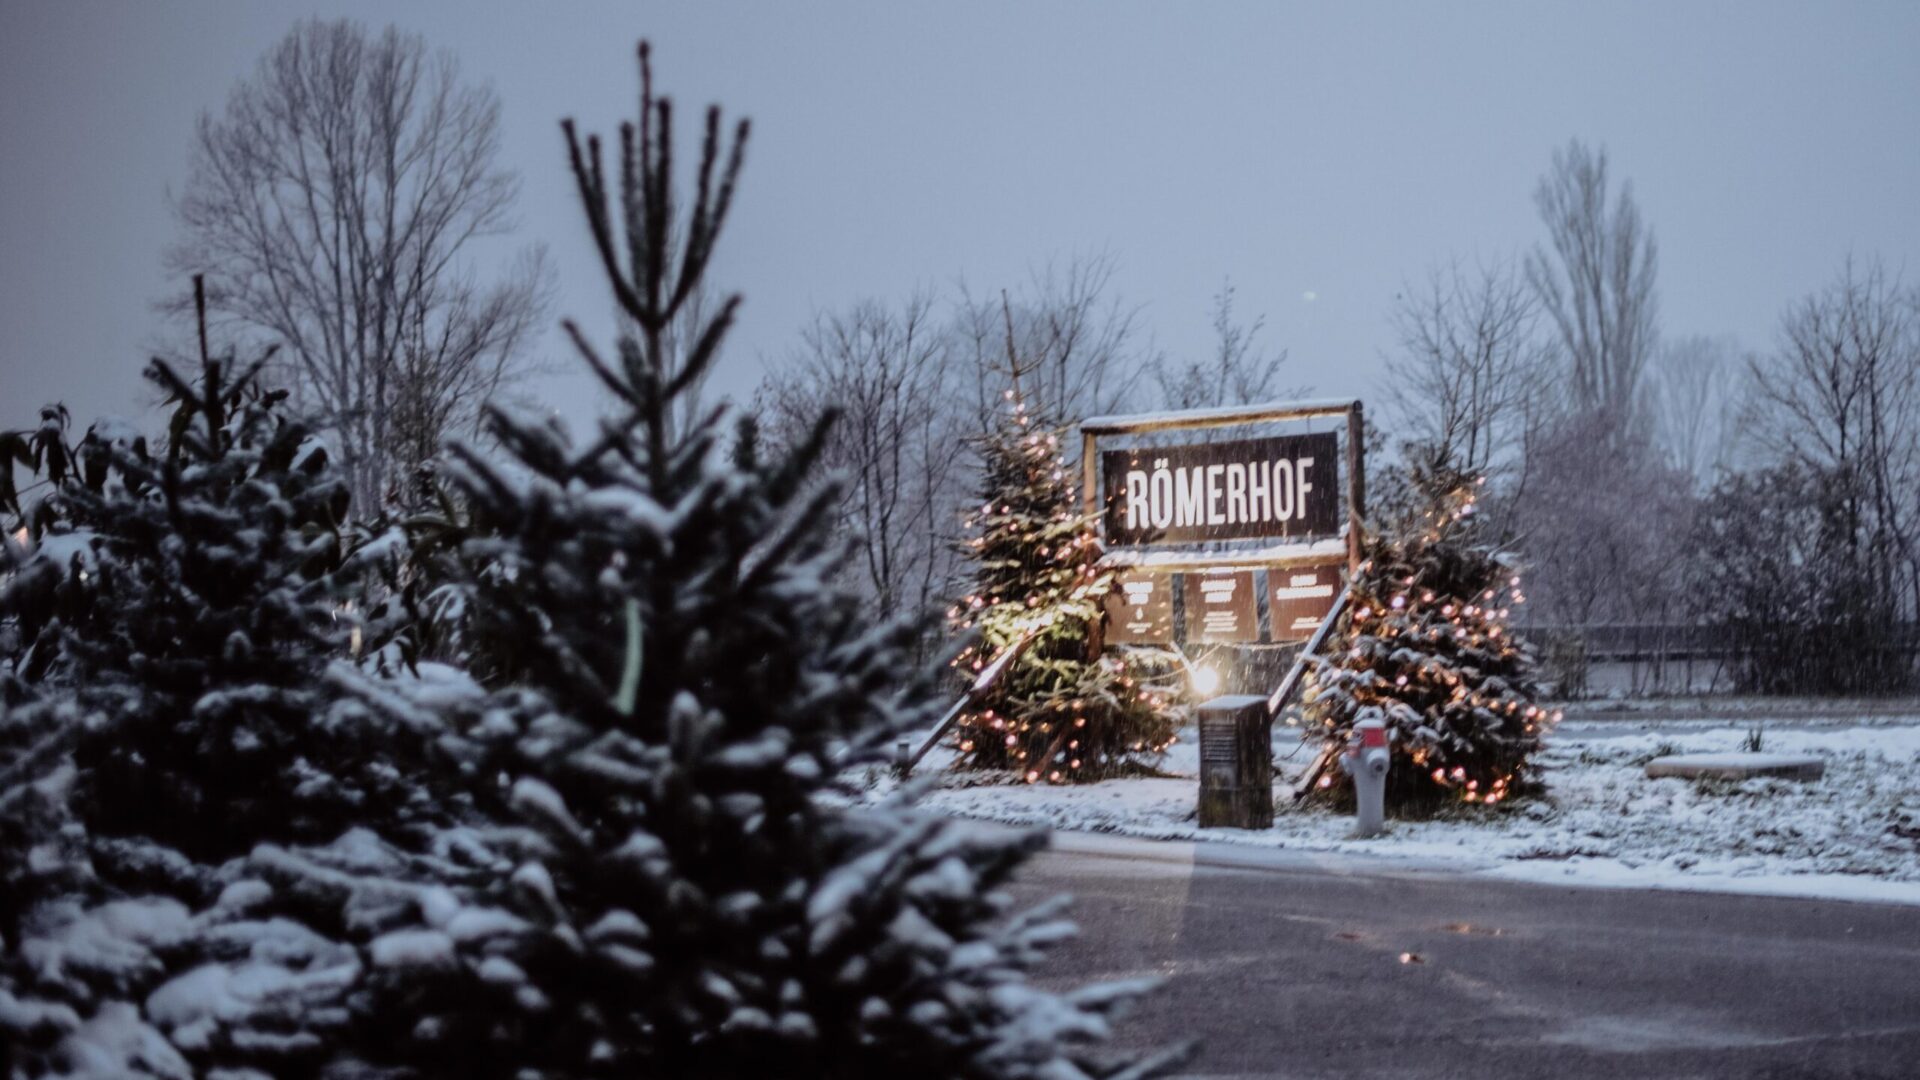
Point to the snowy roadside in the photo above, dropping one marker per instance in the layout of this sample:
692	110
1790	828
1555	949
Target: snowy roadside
1853	835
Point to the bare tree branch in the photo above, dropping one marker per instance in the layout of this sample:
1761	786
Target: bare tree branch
1690	396
1079	345
899	445
1840	396
1234	375
1466	382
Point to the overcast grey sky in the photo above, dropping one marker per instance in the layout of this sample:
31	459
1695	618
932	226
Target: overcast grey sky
1317	155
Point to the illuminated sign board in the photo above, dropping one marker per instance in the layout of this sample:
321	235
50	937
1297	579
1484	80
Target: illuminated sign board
1285	487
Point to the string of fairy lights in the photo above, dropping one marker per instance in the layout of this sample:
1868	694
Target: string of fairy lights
1420	647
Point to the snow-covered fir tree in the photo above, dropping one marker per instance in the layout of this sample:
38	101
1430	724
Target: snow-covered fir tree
187	603
190	805
1425	644
673	687
1062	712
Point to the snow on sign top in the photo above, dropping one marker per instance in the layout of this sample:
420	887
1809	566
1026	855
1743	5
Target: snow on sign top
1329	550
1231	414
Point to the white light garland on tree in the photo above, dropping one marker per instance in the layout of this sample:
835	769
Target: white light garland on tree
1059	714
1429	650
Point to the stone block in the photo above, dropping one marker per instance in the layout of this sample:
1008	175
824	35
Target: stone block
1738	766
1236	763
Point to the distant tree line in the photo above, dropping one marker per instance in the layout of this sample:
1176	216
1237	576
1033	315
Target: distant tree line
921	383
341	204
1770	493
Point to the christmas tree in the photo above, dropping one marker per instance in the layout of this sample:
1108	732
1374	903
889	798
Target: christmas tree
188	600
1062	712
1424	644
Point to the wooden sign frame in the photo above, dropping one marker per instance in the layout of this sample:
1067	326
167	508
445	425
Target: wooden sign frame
1201	419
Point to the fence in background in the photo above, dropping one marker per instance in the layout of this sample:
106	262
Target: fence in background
1661	658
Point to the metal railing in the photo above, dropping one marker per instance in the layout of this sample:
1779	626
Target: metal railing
976	691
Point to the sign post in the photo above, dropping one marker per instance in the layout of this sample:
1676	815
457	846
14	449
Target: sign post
1205	510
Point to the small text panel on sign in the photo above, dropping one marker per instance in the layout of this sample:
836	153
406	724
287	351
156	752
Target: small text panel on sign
1140	609
1285	486
1219	745
1221	607
1299	598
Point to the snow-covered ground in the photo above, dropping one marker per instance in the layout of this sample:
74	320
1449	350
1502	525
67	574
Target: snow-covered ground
1854	834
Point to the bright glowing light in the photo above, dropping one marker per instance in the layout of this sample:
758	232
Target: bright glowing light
1206	681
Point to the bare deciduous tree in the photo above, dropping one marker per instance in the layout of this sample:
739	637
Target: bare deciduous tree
1597	283
1601	515
1466	380
1604	523
337	206
1082	342
898	442
1841	396
1234	375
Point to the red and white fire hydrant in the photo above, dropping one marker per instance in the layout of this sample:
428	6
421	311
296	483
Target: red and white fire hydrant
1365	759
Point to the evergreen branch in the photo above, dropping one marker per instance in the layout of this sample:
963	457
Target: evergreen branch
620	387
704	351
591	183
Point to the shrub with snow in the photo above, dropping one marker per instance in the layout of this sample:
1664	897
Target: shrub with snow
189	775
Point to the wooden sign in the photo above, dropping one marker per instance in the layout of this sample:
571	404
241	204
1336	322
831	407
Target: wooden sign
1298	599
1220	606
1140	609
1284	486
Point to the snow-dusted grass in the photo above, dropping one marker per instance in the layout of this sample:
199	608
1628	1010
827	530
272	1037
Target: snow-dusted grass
1853	834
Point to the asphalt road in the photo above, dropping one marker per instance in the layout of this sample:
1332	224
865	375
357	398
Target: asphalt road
1315	966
